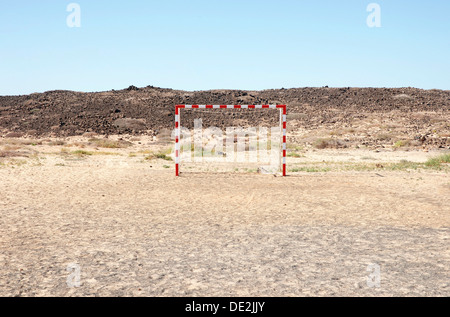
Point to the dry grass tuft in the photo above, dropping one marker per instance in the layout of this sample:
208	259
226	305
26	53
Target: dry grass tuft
402	143
4	153
438	160
110	144
16	141
385	137
163	154
329	143
56	143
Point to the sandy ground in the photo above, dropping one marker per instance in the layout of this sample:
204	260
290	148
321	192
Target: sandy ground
136	230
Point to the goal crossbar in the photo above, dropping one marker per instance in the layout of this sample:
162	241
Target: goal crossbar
282	109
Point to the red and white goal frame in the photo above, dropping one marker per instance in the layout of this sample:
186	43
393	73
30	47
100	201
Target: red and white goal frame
282	109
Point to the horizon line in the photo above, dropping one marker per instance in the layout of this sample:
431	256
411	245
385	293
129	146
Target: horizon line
134	88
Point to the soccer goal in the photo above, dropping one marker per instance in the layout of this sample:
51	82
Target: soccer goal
251	144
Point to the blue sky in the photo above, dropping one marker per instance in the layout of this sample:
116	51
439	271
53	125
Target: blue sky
227	44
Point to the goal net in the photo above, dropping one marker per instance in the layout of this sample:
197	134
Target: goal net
230	138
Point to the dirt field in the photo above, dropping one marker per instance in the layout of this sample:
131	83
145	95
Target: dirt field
136	230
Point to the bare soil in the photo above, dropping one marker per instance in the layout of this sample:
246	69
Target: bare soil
87	179
136	230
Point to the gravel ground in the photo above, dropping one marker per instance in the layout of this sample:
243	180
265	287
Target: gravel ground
133	231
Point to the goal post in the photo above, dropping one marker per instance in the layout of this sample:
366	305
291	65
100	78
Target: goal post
281	108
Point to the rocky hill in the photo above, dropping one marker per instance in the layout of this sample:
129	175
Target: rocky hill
368	114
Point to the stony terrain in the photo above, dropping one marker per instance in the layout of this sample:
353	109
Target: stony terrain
340	117
87	180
